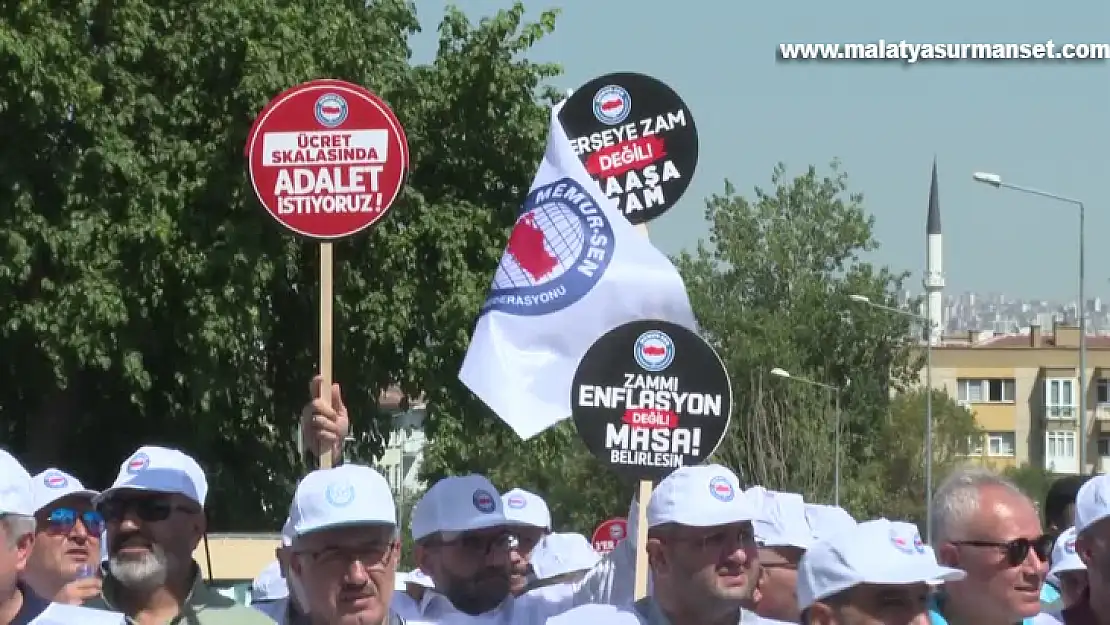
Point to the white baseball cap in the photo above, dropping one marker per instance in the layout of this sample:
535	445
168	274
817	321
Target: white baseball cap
53	484
825	520
562	553
15	487
287	533
347	495
269	585
783	523
1092	503
458	504
524	508
160	470
872	552
420	578
699	496
1064	557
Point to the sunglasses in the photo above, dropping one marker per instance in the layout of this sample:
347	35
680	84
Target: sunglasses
149	510
63	520
1018	549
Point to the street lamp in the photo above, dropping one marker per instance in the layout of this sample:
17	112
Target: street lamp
863	299
783	373
995	181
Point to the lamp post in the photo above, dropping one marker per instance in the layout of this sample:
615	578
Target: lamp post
995	181
836	390
863	299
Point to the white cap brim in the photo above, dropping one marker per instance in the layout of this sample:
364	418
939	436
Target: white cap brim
929	574
135	488
91	495
1066	565
483	522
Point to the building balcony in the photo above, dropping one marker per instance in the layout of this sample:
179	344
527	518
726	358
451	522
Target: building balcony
1103	464
1061	413
1102	412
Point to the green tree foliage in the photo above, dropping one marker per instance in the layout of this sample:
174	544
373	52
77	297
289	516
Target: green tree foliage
149	299
895	487
771	288
1033	479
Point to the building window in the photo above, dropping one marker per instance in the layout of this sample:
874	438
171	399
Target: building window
1104	446
1060	445
1060	398
995	390
1103	390
975	445
1000	444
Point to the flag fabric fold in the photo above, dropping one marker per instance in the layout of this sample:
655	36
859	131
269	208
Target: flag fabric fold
573	269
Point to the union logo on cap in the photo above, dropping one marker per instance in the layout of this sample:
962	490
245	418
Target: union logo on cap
517	502
484	502
901	543
721	488
1069	546
340	494
55	479
137	463
918	544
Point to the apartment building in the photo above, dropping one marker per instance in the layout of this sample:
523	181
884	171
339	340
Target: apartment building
404	450
1024	392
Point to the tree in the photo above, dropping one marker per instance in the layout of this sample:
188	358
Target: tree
786	261
150	300
898	480
1035	480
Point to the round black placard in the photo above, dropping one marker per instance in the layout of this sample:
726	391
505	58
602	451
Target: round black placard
637	139
650	397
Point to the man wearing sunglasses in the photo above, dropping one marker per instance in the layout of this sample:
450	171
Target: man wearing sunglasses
1092	544
983	524
65	562
154	515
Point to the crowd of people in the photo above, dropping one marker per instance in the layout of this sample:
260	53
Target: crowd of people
717	554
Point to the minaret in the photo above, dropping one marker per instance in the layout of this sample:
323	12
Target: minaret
934	263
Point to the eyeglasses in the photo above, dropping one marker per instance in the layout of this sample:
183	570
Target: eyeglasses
480	545
732	538
149	510
63	520
1016	550
370	555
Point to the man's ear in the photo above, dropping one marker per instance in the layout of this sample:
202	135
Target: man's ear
1083	549
23	548
295	564
818	614
657	554
948	555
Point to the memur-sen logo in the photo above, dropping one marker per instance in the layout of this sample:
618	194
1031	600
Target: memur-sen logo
612	104
331	110
483	502
654	351
721	489
55	480
517	502
560	247
137	463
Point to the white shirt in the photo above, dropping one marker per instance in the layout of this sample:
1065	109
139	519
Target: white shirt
610	582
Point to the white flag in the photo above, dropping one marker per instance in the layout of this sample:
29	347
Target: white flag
574	268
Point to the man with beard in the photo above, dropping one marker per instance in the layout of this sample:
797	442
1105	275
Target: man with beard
65	562
531	521
154	514
783	534
701	550
346	546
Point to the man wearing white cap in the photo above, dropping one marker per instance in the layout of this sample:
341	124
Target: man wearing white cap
346	546
19	604
531	521
562	558
825	520
1067	570
269	592
289	611
65	563
702	553
783	535
876	572
154	514
1092	527
411	594
462	542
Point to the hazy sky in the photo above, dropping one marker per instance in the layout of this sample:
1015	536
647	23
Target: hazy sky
1042	124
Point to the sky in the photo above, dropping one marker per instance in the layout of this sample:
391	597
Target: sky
1041	124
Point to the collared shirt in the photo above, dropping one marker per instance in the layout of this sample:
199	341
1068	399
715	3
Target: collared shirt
203	606
646	611
33	605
